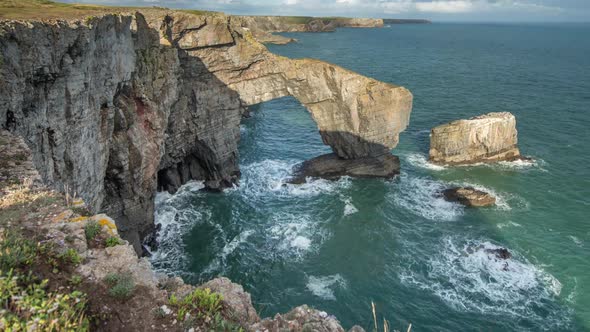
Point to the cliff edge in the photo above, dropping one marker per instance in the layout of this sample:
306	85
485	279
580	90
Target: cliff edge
118	105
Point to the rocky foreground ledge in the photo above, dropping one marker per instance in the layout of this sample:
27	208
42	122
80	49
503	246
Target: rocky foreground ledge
94	279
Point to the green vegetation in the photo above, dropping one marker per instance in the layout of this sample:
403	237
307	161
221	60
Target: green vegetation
70	256
25	302
27	305
201	303
121	285
75	280
112	241
46	9
91	230
15	251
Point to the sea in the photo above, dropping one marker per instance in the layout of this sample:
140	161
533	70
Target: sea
340	246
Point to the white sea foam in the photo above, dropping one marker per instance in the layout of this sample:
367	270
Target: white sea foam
349	208
469	277
175	222
293	235
508	224
576	240
219	261
422	197
502	199
271	176
324	286
419	160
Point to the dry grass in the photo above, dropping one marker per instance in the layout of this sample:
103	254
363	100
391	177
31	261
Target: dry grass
47	10
19	200
385	322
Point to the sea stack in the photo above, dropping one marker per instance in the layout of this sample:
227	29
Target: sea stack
485	138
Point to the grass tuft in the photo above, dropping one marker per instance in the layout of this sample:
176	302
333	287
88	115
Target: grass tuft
112	241
91	230
201	303
121	285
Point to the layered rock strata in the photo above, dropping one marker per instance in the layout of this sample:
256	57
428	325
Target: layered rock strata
116	106
486	138
264	27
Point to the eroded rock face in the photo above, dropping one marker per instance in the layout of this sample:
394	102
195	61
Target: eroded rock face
469	196
486	138
300	319
119	105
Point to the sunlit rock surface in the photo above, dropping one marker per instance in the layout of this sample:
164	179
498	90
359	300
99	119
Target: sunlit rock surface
486	138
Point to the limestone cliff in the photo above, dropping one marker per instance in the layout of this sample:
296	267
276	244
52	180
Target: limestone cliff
485	138
116	105
263	27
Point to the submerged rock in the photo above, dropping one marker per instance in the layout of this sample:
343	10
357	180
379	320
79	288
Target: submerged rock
469	196
332	167
501	253
486	138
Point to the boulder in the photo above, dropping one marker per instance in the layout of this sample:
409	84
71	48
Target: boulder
469	196
332	167
486	138
235	299
302	318
501	253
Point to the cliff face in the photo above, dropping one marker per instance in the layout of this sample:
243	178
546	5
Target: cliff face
263	27
117	105
304	24
485	138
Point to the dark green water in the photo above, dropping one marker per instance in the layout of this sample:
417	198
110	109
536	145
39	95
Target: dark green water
340	245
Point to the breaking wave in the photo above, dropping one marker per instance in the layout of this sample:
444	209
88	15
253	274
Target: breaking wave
422	197
469	277
176	218
272	176
419	160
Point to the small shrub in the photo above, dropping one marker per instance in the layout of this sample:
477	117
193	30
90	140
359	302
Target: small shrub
112	241
26	306
75	280
70	256
201	302
92	229
121	285
15	251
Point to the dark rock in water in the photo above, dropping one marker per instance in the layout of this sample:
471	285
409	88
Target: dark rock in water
332	167
501	253
469	196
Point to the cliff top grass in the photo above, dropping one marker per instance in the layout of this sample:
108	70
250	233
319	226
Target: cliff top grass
47	10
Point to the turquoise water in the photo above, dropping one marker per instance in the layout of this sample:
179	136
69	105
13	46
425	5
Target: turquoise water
340	245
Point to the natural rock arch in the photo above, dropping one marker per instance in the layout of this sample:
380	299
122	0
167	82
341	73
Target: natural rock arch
357	116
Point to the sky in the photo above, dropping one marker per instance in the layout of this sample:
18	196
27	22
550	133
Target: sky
436	10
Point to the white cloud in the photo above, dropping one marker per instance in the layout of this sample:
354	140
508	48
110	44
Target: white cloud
454	6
